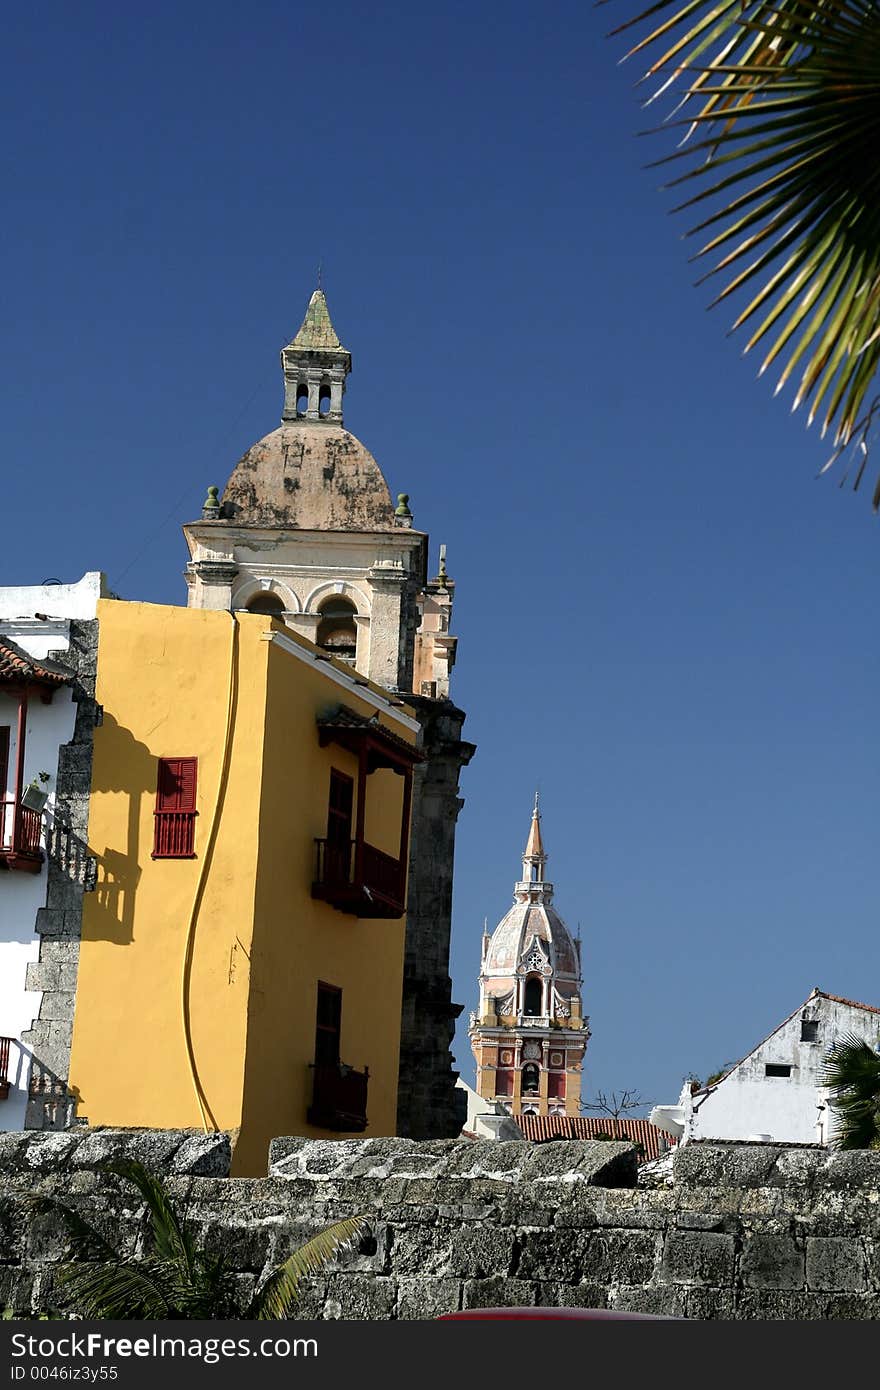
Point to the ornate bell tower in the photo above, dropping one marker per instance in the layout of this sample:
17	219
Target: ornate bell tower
529	1034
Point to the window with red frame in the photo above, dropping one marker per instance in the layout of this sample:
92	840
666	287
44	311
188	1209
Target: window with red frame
175	814
504	1083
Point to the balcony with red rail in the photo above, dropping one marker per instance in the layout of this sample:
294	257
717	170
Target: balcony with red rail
23	678
5	1083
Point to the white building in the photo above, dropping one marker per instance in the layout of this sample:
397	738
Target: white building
37	716
776	1091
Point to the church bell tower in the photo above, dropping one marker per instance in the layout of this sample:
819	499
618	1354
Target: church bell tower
529	1034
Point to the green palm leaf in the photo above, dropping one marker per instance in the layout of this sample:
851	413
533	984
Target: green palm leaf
852	1075
779	101
280	1290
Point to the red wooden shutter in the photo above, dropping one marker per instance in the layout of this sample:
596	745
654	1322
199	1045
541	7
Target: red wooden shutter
175	814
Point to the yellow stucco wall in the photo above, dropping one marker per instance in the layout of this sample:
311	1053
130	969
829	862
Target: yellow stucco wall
261	942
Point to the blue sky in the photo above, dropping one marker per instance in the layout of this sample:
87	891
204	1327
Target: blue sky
665	620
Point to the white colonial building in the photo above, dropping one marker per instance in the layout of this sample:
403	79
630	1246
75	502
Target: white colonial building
37	717
776	1091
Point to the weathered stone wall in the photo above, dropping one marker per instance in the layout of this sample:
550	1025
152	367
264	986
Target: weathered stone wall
429	1106
745	1231
51	1105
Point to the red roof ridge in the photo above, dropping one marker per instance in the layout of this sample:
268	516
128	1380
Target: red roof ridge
853	1003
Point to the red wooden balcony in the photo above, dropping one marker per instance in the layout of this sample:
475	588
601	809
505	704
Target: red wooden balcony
20	830
4	1068
339	1098
355	877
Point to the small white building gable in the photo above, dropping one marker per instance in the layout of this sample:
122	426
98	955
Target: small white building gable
775	1092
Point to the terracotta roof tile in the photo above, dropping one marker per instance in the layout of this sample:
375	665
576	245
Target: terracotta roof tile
540	1128
17	665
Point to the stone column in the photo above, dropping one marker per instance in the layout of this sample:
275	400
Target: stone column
210	583
387	665
429	1107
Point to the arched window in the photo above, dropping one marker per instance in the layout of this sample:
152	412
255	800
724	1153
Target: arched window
302	398
533	997
337	631
266	602
324	400
531	1079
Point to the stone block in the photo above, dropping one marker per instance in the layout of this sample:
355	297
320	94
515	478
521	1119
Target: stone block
698	1257
709	1305
658	1302
853	1307
480	1252
555	1295
835	1264
57	1006
243	1247
555	1255
734	1165
422	1250
425	1299
42	975
600	1164
771	1262
771	1305
499	1293
203	1155
360	1297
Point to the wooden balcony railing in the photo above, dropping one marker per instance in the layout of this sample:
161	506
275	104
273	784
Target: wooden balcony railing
339	1098
355	877
20	830
174	834
4	1068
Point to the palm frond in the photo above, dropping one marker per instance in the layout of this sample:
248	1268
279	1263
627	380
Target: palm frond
780	105
121	1289
171	1240
851	1073
278	1294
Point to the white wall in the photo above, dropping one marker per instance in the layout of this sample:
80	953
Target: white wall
48	726
748	1102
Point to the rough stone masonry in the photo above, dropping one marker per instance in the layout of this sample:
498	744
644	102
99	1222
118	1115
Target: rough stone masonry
744	1231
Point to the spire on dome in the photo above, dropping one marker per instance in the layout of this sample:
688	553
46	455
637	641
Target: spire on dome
315	367
316	330
534	850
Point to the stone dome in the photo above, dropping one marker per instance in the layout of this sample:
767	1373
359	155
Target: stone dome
529	925
312	476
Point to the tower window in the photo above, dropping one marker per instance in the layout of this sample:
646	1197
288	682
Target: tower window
533	996
302	398
266	602
531	1079
337	631
324	401
504	1083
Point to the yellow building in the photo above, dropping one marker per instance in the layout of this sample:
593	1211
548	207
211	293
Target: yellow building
242	957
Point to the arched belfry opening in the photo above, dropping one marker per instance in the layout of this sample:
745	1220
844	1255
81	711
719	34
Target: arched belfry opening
533	996
337	630
531	1079
267	602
